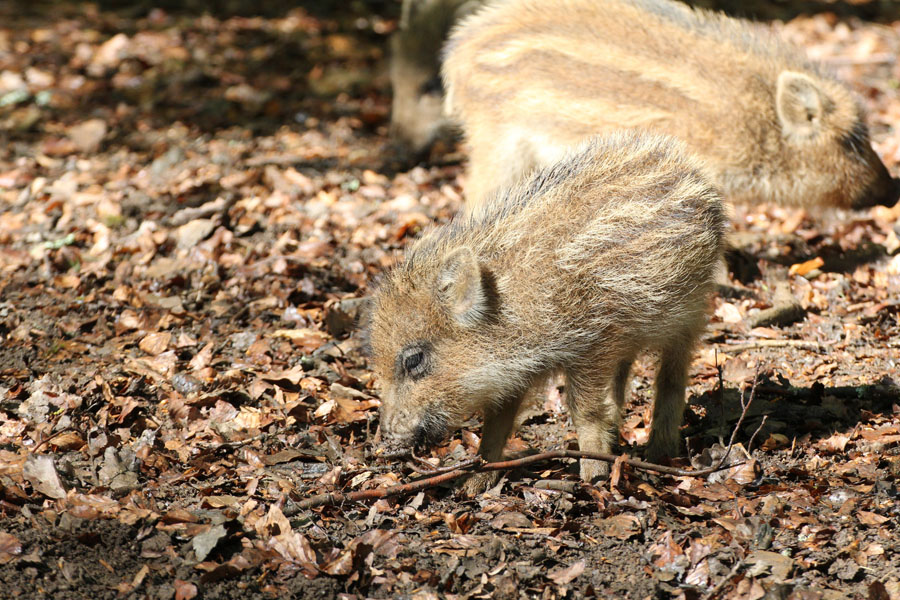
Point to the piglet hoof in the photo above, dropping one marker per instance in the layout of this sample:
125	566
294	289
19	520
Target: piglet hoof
478	483
657	450
594	471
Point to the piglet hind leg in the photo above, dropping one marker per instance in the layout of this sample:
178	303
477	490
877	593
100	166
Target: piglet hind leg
595	410
668	406
498	424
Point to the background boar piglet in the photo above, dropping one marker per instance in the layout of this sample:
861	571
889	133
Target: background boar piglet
417	111
528	78
574	271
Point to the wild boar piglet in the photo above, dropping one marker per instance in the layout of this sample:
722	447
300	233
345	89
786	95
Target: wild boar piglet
528	78
572	271
417	111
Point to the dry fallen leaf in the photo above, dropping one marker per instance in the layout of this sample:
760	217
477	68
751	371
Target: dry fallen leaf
666	551
40	471
509	519
870	518
805	268
835	443
566	575
155	344
87	135
729	313
621	527
184	590
10	547
305	340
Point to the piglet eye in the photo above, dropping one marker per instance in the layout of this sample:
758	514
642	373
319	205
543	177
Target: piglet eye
413	361
432	86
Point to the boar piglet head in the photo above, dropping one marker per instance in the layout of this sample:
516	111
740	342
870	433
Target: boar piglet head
418	118
431	334
829	149
417	110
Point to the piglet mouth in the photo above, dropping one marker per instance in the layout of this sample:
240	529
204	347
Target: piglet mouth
394	451
431	430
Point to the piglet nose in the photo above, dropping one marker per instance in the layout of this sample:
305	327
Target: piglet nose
891	199
884	194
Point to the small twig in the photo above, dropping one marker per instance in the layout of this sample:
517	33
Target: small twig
801	344
386	492
477	465
758	429
418	470
744	408
465	464
55	435
236	444
420	465
725	580
721	394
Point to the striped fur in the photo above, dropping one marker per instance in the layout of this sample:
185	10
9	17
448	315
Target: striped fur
528	78
574	270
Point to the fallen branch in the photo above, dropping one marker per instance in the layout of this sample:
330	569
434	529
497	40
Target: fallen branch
802	344
785	310
476	466
422	467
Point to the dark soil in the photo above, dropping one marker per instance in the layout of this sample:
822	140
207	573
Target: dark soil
175	374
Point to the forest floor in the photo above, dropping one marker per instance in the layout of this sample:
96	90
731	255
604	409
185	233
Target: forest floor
189	201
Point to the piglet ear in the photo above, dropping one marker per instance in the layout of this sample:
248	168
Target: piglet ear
461	288
801	104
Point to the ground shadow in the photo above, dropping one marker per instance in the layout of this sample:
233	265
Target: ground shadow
793	412
836	258
750	248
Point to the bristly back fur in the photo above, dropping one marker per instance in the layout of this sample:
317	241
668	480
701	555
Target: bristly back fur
575	269
529	78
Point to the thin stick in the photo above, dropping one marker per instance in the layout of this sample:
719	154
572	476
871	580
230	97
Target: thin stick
725	580
721	395
758	429
234	445
420	465
744	408
476	465
335	498
53	437
801	344
465	464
